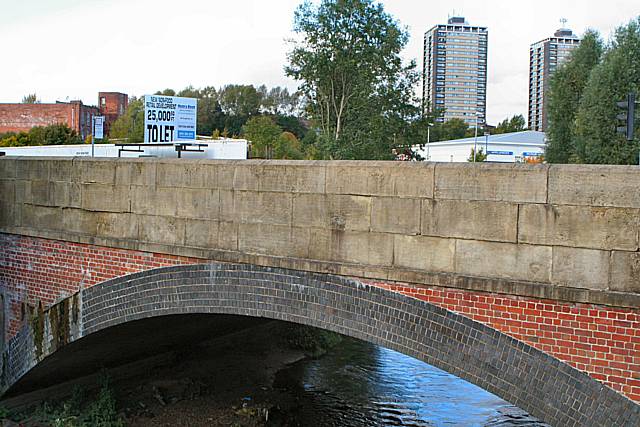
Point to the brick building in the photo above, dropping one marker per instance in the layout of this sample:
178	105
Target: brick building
76	115
23	117
112	105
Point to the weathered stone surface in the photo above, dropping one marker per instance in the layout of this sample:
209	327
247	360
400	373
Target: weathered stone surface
32	168
491	181
116	225
260	238
477	220
201	233
79	221
259	207
228	236
579	226
67	194
7	203
136	172
41	217
7	168
358	247
580	268
154	200
198	203
191	174
42	193
341	212
395	215
424	253
106	198
506	260
625	271
280	175
161	229
97	170
65	170
380	178
594	185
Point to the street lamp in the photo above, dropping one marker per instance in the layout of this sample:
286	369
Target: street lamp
486	144
475	139
429	126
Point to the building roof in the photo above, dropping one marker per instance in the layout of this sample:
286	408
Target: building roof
524	137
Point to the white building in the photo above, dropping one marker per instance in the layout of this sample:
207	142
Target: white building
219	149
506	147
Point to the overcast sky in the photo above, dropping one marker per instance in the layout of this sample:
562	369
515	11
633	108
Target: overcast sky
71	49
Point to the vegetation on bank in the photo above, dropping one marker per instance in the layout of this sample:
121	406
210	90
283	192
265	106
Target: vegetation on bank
80	410
58	134
582	104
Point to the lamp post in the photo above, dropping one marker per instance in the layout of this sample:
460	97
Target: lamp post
486	145
475	140
428	139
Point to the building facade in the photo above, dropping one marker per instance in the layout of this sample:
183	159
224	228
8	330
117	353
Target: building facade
112	105
545	57
454	76
23	117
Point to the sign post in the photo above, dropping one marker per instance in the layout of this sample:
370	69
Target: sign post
98	131
169	118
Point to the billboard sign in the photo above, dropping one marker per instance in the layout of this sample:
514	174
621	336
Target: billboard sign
169	118
98	127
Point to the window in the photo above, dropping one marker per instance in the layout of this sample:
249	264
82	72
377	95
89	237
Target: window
103	101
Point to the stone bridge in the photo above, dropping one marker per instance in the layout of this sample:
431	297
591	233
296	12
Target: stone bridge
522	279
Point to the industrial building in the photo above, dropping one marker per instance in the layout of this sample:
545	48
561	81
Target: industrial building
75	114
545	57
504	148
454	77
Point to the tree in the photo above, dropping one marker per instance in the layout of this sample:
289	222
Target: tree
357	90
452	129
515	124
58	134
263	134
30	99
566	89
479	157
596	140
240	100
131	124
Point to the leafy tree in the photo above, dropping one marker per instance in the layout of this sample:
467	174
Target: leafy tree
515	124
30	99
240	100
58	134
166	92
263	134
611	80
358	92
566	89
479	157
131	124
452	129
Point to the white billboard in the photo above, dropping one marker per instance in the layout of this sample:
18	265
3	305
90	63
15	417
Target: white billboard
169	118
98	127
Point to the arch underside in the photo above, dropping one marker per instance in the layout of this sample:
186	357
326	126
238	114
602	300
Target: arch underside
538	383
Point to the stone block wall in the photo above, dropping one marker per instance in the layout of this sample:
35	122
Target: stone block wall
561	232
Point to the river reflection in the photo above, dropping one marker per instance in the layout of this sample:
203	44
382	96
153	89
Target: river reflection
360	384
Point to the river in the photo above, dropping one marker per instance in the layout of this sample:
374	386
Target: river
360	384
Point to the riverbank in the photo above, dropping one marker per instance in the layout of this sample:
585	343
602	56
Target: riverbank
224	381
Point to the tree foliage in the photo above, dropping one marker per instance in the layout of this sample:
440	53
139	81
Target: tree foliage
58	134
566	89
480	156
358	92
32	98
584	92
269	141
596	140
131	124
516	123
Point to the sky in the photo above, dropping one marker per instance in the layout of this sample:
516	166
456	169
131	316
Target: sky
72	49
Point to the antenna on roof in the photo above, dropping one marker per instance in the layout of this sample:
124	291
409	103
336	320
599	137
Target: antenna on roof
563	21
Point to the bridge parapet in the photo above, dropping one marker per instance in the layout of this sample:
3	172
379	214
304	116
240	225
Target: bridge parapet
563	232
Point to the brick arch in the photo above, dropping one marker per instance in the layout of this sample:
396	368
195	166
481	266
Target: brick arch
546	387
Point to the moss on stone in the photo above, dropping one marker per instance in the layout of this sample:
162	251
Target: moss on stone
37	329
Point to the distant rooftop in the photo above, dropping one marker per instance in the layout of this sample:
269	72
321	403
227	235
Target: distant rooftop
524	137
457	20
